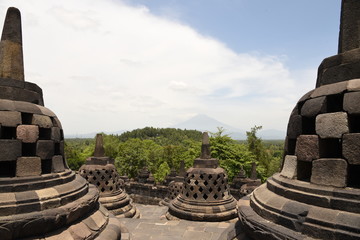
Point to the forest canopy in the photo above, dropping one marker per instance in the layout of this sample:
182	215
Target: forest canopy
163	149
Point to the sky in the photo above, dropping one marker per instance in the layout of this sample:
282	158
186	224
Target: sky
110	65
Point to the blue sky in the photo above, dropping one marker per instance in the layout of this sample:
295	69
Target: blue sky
114	65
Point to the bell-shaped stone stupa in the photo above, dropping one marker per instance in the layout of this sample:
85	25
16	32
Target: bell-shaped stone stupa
205	195
101	172
41	198
317	193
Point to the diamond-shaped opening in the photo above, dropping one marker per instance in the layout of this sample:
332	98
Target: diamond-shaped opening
26	118
90	172
98	183
222	182
195	196
44	133
218	176
223	195
201	176
46	165
86	177
219	189
102	189
192	176
192	188
201	189
28	149
330	148
210	190
205	196
210	177
98	172
106	183
94	178
188	181
206	183
8	132
187	194
216	196
7	168
215	182
102	177
334	103
111	188
106	171
196	182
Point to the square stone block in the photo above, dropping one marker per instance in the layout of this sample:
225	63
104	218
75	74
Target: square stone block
354	85
289	169
10	118
27	133
10	149
332	125
313	107
329	172
26	107
294	127
351	148
45	149
307	147
55	134
42	121
329	89
58	164
57	122
351	102
28	166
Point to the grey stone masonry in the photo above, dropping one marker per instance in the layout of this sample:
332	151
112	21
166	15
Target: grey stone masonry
307	147
329	172
351	148
27	133
351	102
28	166
313	107
45	149
42	121
332	125
10	149
289	169
10	118
58	164
55	134
294	126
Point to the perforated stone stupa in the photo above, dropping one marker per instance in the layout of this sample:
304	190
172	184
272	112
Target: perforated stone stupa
317	193
101	172
205	195
41	198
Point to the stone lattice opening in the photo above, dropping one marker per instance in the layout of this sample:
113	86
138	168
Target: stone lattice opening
291	146
26	118
61	134
330	148
46	165
353	176
7	168
44	133
334	103
354	123
304	171
308	125
57	149
28	149
8	133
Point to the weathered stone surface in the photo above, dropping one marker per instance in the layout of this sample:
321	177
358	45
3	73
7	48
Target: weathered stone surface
351	148
349	32
57	122
42	121
289	169
329	172
28	166
27	107
58	164
45	149
307	147
351	102
313	107
7	105
99	148
10	149
332	125
353	85
306	96
27	133
294	127
329	89
10	118
55	134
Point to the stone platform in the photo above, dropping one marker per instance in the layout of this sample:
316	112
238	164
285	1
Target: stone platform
154	225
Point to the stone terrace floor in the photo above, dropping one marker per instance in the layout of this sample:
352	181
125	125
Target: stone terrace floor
154	225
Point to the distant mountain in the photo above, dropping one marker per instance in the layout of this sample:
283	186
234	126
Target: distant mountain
91	135
203	122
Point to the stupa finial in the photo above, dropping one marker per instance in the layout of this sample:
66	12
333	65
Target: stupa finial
205	147
11	52
99	146
349	37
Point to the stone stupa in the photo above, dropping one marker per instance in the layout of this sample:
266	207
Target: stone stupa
101	172
205	195
317	193
41	198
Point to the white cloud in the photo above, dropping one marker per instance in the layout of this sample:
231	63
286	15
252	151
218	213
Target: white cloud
106	66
